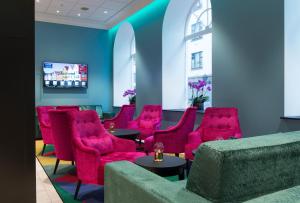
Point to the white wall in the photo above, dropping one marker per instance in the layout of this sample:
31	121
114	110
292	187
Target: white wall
292	58
173	55
122	63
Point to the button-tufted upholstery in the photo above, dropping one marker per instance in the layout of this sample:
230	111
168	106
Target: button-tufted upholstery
89	160
45	125
122	118
174	139
148	121
217	123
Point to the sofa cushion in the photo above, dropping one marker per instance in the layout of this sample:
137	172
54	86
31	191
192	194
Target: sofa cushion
103	145
243	169
210	134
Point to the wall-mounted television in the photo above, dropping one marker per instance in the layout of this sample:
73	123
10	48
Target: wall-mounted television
65	75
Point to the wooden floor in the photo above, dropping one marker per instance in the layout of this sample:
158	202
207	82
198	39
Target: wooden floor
45	192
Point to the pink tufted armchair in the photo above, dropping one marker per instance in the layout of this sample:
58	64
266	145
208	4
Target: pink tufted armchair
148	121
61	133
174	138
122	118
217	124
94	147
45	126
68	108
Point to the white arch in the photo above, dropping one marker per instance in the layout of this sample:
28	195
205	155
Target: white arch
173	54
122	71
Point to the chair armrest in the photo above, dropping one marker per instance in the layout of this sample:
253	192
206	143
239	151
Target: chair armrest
123	145
128	183
157	125
194	138
171	127
86	159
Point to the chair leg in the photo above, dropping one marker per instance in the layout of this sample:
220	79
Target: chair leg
56	166
77	189
177	154
44	147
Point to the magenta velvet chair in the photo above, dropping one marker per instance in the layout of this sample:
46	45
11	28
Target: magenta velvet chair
174	138
45	125
61	133
148	121
94	147
71	107
217	124
122	118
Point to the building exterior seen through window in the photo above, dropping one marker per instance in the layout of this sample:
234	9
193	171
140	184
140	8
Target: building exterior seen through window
198	40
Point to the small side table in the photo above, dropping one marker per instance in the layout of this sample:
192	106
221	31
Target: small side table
125	133
170	166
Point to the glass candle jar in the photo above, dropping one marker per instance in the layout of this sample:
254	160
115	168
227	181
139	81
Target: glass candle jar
112	127
158	151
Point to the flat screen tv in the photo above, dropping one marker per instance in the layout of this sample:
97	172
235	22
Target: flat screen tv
65	75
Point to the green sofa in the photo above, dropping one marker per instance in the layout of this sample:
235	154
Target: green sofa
253	170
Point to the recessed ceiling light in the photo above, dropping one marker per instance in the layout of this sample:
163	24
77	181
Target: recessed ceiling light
37	1
57	11
84	8
78	14
106	12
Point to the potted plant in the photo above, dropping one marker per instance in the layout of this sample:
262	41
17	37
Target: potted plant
199	93
131	95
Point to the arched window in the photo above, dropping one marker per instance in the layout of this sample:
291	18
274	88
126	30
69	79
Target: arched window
198	42
187	51
124	63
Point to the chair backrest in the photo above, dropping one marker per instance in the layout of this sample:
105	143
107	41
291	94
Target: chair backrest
44	122
241	169
123	117
61	133
68	108
222	119
87	124
152	112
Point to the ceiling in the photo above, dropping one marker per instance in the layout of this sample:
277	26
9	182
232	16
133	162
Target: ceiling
101	14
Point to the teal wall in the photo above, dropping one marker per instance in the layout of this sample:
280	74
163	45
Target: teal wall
248	61
72	44
147	25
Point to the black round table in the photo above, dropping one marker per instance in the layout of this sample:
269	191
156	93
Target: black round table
170	166
125	133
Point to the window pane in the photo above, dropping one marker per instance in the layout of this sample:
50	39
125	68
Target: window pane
199	47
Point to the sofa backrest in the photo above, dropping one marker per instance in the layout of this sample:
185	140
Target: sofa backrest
242	169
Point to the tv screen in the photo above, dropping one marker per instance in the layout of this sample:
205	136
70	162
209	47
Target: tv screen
65	75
